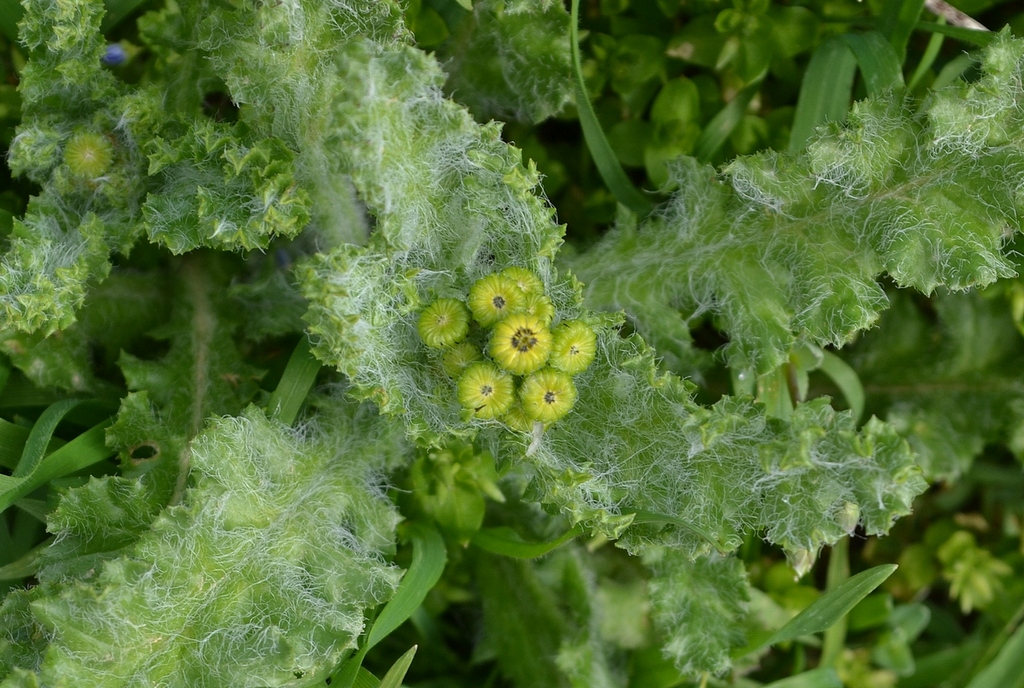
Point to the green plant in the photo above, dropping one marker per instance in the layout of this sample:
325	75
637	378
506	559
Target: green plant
265	178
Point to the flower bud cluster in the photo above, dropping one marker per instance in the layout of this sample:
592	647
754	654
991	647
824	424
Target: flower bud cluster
523	373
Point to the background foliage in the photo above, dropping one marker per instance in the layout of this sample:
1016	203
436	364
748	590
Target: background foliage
228	458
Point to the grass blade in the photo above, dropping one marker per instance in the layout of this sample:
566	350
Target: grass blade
41	434
953	70
832	606
83	451
12	443
604	157
507	542
972	36
717	131
1008	666
928	58
396	674
298	378
428	560
897	22
877	60
838	573
27	565
846	379
816	678
825	92
642	516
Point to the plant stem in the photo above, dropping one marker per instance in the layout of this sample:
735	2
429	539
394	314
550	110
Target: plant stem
838	571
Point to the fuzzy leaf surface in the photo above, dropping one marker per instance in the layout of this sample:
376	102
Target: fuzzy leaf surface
454	203
949	380
228	589
510	60
777	247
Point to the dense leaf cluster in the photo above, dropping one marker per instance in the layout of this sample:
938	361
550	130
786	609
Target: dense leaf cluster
226	547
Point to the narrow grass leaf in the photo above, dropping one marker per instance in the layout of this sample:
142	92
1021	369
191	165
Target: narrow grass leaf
877	60
846	379
36	508
83	451
5	365
12	443
604	157
41	434
832	606
19	393
953	70
1007	669
298	378
825	91
396	674
816	678
717	131
897	23
366	680
507	542
972	36
428	560
928	58
27	565
834	640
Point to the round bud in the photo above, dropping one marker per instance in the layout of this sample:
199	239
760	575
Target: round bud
527	282
443	323
520	343
540	306
516	419
493	297
460	357
574	347
486	391
88	154
547	395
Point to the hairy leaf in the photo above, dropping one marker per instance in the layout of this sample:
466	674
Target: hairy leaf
228	589
947	377
701	606
454	203
780	246
510	60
